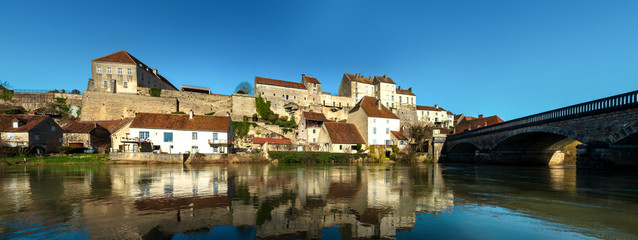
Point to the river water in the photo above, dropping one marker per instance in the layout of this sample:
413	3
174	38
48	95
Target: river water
315	201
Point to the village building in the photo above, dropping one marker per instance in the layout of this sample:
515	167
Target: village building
340	137
272	144
374	121
435	115
385	90
121	139
31	131
88	134
120	72
469	124
356	86
405	98
182	133
309	129
286	98
398	139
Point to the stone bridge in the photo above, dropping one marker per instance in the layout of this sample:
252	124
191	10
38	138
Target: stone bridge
606	128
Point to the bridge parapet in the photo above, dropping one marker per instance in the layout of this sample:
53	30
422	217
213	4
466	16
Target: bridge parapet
603	105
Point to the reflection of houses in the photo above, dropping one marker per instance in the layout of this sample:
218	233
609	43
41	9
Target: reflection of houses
179	133
30	130
310	127
374	121
340	137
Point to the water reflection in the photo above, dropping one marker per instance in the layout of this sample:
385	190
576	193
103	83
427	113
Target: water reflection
265	201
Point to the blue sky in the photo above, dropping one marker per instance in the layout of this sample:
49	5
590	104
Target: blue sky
511	58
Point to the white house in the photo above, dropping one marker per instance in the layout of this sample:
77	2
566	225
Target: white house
374	121
180	133
435	115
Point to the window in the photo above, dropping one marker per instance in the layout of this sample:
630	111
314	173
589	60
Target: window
314	90
106	83
99	69
314	140
125	84
108	70
215	137
314	130
15	125
36	137
387	121
10	136
129	71
374	141
194	135
374	120
195	149
314	85
387	130
144	135
168	137
52	128
119	71
388	142
374	130
215	149
400	99
60	139
286	97
340	147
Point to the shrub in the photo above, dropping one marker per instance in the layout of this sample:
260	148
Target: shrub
60	101
210	113
240	129
263	107
283	118
6	95
155	92
272	118
179	112
313	157
255	117
12	111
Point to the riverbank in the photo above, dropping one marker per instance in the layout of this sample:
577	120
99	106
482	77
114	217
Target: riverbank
76	158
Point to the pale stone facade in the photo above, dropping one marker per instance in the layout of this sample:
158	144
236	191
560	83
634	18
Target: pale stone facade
435	116
41	132
120	72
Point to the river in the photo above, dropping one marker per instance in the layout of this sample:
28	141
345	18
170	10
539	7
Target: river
315	201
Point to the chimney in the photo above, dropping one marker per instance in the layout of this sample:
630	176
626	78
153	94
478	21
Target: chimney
227	114
410	89
154	71
436	106
480	115
385	76
303	75
190	114
379	104
399	88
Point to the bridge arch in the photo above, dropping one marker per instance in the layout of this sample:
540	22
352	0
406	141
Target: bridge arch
462	152
538	145
626	135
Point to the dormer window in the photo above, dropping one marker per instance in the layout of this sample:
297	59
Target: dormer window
16	124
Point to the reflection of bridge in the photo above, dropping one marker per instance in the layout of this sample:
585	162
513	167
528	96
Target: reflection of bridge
607	128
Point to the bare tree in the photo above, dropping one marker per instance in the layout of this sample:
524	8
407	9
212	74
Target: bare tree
422	135
244	88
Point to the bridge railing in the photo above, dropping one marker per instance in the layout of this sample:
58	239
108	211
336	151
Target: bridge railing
602	105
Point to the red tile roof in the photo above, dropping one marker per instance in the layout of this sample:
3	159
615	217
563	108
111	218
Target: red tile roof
405	92
79	127
399	135
315	116
370	107
383	79
475	123
122	123
311	79
26	122
340	132
181	122
280	83
125	57
358	78
429	108
279	141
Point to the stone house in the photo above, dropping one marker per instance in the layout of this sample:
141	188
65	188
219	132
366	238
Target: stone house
435	115
287	98
273	144
121	139
468	124
181	133
385	90
340	137
120	72
356	86
405	98
374	121
30	130
398	139
88	134
309	129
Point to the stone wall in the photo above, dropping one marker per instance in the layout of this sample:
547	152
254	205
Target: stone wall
242	105
32	101
406	115
148	157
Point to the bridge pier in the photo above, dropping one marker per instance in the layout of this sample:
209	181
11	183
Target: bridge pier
603	156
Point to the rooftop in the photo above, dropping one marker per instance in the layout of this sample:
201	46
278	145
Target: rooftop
26	122
358	78
370	106
125	57
346	133
181	122
279	141
279	83
315	116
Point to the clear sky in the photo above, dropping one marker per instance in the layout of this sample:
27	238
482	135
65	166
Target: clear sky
511	58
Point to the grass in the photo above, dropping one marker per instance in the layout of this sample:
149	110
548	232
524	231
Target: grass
76	158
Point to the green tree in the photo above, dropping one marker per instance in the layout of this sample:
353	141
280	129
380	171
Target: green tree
263	107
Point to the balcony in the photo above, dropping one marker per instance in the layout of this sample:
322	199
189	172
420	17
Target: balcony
130	139
218	141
